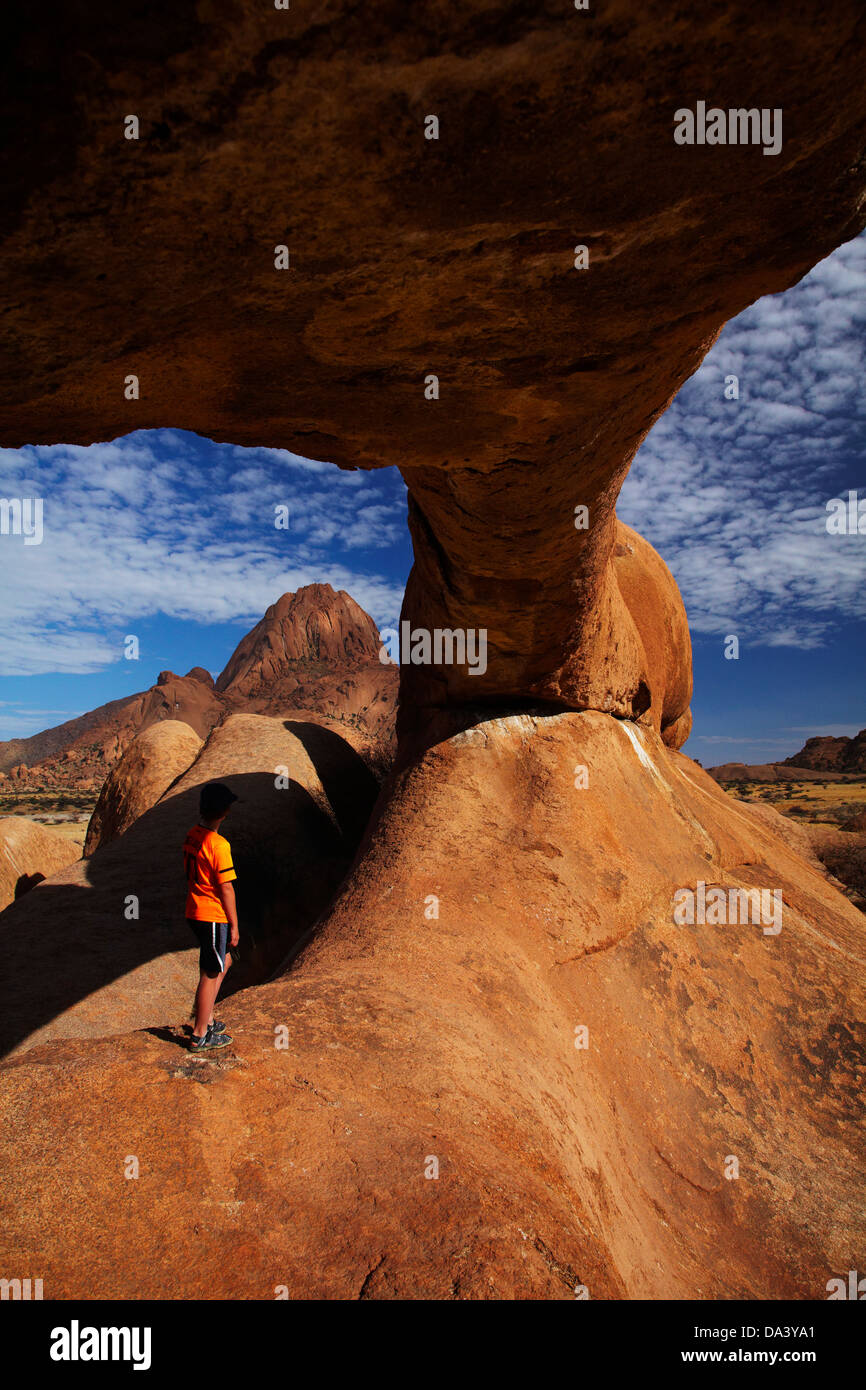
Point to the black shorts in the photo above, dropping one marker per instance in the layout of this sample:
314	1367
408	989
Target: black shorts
213	939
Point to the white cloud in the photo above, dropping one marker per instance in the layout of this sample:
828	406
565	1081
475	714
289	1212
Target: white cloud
733	493
136	528
30	653
21	722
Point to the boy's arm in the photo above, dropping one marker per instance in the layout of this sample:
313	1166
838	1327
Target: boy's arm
227	898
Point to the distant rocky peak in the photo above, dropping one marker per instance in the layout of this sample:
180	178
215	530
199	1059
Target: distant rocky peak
315	626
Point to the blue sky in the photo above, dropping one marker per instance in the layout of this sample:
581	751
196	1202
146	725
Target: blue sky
171	537
733	494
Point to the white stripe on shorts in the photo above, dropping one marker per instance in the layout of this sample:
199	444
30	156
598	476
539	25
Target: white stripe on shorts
221	959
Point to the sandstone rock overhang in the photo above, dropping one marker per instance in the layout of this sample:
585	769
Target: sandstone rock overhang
411	257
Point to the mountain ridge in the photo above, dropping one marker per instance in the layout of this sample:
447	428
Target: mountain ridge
820	758
314	648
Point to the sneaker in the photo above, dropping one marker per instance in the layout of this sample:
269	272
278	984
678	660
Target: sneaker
216	1027
209	1042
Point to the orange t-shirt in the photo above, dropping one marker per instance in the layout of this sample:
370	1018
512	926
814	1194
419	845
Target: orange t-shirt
207	859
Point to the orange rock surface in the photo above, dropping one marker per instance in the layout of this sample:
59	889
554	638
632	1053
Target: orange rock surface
30	852
430	1128
152	761
412	1037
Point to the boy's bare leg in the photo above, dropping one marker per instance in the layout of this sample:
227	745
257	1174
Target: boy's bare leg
205	998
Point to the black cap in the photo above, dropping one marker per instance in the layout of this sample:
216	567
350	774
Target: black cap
214	798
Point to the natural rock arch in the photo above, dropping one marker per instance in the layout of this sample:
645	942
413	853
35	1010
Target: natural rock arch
410	256
455	257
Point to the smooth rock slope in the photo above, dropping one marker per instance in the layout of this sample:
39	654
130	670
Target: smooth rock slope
414	1038
153	760
30	852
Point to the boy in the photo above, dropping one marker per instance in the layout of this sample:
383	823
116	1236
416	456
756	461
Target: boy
210	910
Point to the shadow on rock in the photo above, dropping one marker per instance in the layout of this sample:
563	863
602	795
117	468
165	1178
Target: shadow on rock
103	947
